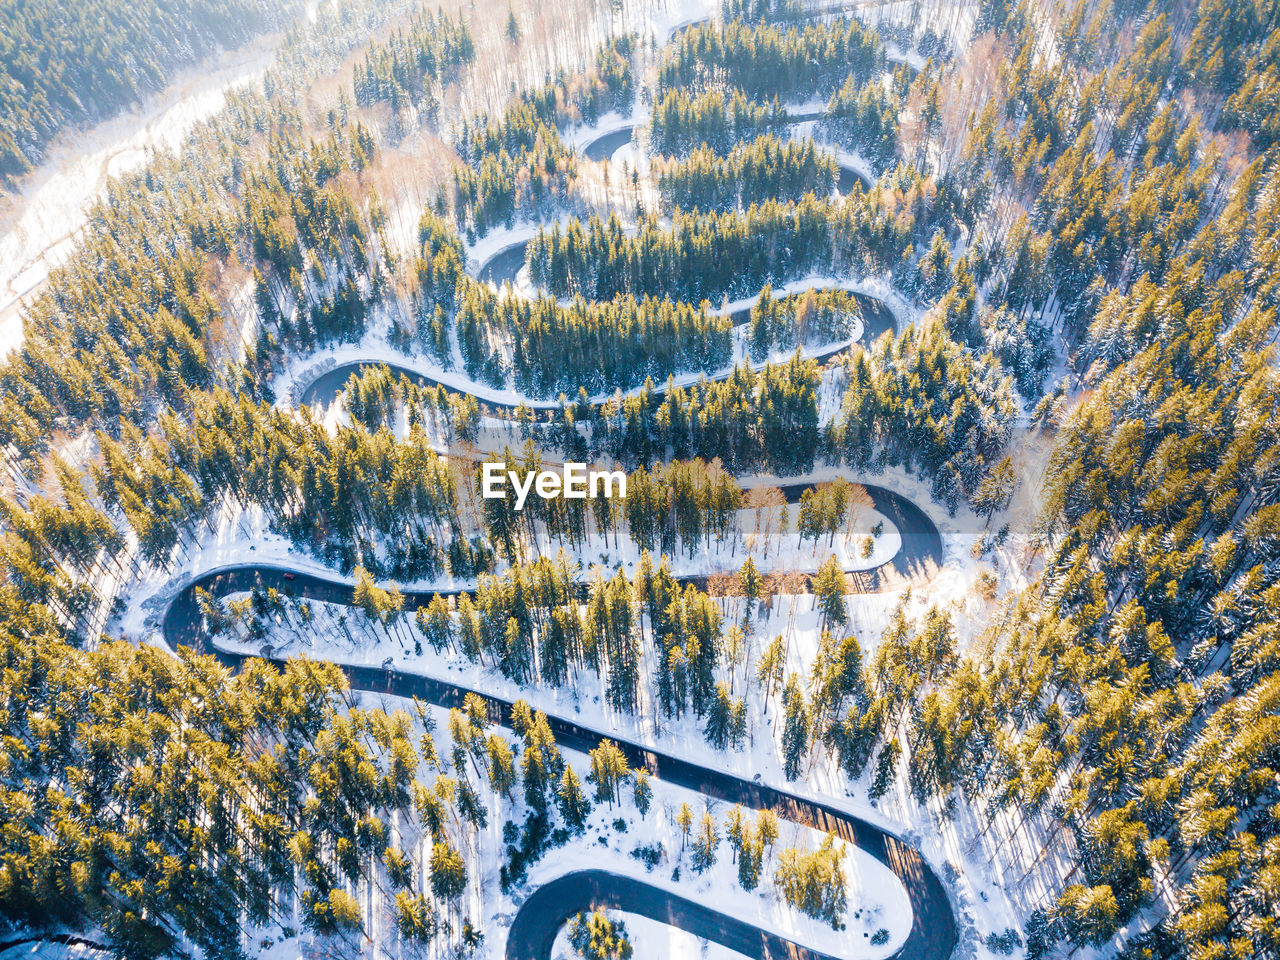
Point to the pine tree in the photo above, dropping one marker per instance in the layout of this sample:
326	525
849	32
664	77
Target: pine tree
886	769
718	718
571	801
771	667
796	728
704	847
767	827
436	624
502	766
415	918
996	489
643	792
609	768
596	937
736	826
752	585
829	591
448	872
684	821
814	881
750	858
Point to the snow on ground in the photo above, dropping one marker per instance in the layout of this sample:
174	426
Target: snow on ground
290	948
771	553
612	834
652	938
953	842
339	634
237	538
679	14
46	950
581	136
895	54
795	618
500	238
40	225
955	839
904	312
955	587
374	348
855	162
980	878
243	537
628	157
342	635
877	899
802	107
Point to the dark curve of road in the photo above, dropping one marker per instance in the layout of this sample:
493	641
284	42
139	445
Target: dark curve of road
604	146
324	389
533	931
503	266
877	319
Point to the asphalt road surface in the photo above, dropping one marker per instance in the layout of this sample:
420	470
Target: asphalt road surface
604	146
503	266
533	930
877	318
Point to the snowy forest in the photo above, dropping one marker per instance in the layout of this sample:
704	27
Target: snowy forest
933	345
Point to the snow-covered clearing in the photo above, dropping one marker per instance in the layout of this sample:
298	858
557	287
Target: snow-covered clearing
877	899
652	938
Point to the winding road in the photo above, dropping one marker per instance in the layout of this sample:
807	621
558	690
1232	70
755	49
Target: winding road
876	316
604	146
933	932
533	930
326	386
503	266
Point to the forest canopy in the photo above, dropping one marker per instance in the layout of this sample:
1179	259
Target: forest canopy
63	64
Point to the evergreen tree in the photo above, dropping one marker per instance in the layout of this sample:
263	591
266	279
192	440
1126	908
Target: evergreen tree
704	847
829	590
643	793
796	728
609	768
596	937
571	801
886	769
684	821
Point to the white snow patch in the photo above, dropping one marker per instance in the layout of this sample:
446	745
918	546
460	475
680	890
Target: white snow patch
652	938
47	950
